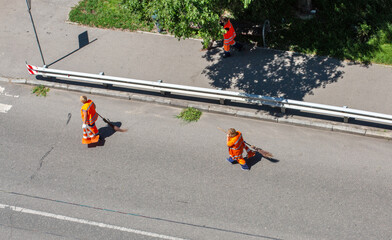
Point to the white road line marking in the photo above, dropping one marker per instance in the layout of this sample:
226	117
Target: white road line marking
83	221
9	95
6	94
4	108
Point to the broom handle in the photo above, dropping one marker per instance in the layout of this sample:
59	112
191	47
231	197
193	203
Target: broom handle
99	115
222	130
251	145
106	121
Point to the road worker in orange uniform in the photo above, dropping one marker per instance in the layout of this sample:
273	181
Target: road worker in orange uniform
228	38
236	145
89	116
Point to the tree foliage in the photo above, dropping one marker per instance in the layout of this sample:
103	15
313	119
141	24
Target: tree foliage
340	28
187	18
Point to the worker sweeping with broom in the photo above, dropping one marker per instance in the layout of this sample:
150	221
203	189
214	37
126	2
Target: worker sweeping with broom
236	145
89	117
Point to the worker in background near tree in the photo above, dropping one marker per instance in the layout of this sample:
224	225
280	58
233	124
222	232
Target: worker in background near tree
228	38
89	116
236	145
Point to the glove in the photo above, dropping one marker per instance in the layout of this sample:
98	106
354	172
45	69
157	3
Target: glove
84	126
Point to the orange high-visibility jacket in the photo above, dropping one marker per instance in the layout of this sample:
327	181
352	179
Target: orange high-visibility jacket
89	109
236	146
229	35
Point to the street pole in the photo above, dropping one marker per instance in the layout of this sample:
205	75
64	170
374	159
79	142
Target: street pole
28	2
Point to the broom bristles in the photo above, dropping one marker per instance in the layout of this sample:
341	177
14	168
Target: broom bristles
117	129
114	127
262	152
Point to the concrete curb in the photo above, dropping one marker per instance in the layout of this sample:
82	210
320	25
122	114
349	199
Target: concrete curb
219	109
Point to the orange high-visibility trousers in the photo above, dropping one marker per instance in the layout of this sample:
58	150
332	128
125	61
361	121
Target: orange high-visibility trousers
237	154
90	134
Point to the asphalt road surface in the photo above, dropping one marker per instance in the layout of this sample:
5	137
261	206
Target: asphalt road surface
165	179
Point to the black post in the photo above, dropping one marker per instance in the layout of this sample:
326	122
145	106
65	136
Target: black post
28	2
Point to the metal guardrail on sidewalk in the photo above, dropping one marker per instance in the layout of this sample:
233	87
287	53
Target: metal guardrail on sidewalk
222	95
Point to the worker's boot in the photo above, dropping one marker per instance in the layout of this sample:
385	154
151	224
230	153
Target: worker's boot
245	167
226	54
232	161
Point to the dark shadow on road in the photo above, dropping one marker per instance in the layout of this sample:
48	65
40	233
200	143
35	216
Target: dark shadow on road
254	160
107	131
257	158
272	73
83	41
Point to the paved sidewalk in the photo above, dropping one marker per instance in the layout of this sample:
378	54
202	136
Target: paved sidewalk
159	57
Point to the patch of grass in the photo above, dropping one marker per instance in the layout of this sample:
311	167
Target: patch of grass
40	90
190	115
112	14
384	56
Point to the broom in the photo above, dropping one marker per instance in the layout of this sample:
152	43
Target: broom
115	128
257	149
261	151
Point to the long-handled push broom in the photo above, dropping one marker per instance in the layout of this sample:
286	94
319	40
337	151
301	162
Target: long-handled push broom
257	149
115	128
261	151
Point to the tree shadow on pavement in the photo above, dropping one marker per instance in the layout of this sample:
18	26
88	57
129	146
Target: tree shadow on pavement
271	73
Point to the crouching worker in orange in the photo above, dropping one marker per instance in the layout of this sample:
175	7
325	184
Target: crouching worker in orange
236	145
89	116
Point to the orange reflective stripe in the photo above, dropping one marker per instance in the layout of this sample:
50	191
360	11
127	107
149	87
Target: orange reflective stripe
239	138
89	109
228	39
93	119
238	144
230	34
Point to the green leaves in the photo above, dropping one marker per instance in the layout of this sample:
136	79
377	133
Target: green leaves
40	90
190	114
189	18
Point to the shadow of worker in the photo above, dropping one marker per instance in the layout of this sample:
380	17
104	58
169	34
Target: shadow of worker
257	158
105	132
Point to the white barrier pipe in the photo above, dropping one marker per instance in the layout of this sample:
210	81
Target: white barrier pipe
323	109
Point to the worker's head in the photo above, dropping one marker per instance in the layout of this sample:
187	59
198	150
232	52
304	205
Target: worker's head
232	132
83	99
223	21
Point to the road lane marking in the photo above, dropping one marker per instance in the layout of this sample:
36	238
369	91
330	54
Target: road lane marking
6	94
87	222
4	108
143	216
